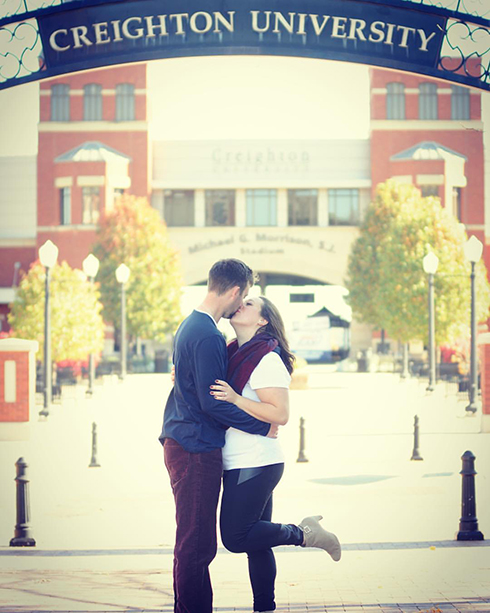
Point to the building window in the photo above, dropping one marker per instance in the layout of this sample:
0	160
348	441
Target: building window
92	102
301	297
460	102
179	207
261	207
395	101
302	207
343	207
60	102
65	206
428	101
125	102
220	207
429	190
90	205
457	209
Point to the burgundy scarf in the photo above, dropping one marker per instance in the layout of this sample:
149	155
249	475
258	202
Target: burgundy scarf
242	360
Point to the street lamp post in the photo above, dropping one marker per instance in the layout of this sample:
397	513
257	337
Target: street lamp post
91	268
122	276
48	254
430	263
473	250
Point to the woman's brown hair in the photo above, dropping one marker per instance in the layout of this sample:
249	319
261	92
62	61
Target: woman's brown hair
275	327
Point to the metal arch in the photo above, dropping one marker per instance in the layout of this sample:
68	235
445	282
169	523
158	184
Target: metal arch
462	55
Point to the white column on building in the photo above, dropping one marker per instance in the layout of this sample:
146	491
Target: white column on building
282	208
199	208
323	207
157	201
240	208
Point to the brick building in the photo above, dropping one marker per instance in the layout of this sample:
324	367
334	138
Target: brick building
290	208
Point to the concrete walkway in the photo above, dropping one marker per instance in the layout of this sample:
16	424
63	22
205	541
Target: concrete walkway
105	535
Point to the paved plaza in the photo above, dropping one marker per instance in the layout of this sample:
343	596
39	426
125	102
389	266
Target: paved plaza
105	535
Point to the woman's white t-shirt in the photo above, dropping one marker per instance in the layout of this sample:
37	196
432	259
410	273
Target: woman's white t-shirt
243	450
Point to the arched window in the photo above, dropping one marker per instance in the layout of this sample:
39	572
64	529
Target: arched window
460	102
92	102
395	101
60	102
428	101
125	102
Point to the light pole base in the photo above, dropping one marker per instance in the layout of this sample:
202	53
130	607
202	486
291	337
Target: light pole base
22	541
470	535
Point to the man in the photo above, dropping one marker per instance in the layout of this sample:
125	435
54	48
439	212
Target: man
193	432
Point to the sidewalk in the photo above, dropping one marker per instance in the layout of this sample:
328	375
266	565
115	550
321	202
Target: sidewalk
388	577
105	535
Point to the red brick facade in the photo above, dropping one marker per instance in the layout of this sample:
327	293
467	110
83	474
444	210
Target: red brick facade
463	137
17	411
128	137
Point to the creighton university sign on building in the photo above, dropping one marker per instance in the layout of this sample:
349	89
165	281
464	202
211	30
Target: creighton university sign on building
420	37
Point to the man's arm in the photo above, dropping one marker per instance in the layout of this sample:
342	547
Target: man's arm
211	365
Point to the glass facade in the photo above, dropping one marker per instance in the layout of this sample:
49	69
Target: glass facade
220	207
460	102
65	206
429	190
343	207
179	207
125	108
261	207
92	102
395	101
90	205
428	101
457	205
302	207
60	102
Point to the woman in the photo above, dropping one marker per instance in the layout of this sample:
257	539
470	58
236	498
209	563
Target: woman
259	373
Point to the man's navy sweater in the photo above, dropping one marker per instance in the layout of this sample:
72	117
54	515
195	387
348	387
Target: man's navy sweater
193	417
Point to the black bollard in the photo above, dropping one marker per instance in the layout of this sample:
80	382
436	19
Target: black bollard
22	532
416	453
93	461
302	457
468	524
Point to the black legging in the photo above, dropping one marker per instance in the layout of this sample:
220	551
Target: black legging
245	523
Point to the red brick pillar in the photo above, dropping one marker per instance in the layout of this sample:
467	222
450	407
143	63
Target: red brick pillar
484	346
17	387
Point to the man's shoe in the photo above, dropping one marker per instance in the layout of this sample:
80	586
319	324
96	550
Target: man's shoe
316	536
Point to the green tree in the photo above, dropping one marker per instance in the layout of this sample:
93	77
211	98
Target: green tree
398	287
132	233
77	328
363	267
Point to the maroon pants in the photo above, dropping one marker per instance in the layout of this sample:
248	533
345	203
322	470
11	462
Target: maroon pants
196	480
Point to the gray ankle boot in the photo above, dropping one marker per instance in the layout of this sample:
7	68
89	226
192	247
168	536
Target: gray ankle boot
316	536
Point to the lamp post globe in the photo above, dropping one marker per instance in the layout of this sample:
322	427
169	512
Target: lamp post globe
473	250
48	254
122	275
430	264
91	268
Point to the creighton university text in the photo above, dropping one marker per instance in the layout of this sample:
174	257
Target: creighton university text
261	22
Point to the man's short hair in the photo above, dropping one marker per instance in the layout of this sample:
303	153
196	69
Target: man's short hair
229	273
